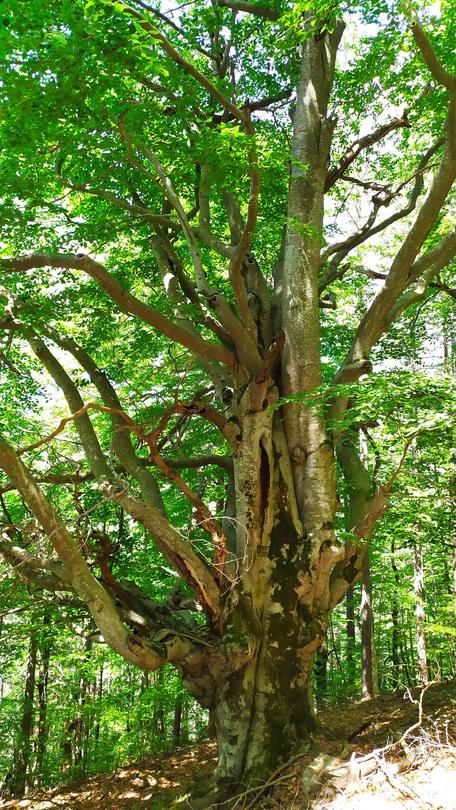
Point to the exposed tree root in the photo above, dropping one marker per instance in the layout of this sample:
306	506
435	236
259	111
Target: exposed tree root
326	775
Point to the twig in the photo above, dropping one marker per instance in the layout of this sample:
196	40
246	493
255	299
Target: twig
398	783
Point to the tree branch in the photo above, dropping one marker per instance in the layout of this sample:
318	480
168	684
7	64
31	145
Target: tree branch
119	202
336	172
256	10
122	444
176	550
172	24
424	270
176	57
123	298
30	564
245	241
348	570
82	580
381	199
225	462
207	521
89	440
203	231
432	62
404	266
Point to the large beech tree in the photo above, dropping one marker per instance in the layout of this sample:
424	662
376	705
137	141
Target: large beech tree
191	177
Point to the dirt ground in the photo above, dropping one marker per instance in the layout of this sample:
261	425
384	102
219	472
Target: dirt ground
417	772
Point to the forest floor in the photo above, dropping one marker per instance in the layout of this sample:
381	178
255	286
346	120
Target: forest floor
390	769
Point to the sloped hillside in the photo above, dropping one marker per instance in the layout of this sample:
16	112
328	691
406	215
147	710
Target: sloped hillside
397	751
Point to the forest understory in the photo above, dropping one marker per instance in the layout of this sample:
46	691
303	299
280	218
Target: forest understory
396	750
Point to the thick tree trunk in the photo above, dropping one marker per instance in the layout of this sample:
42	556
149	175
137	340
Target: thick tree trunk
263	706
266	710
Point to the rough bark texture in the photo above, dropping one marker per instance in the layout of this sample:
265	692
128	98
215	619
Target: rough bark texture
263	707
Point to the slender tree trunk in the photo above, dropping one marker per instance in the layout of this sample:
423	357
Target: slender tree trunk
99	704
351	638
452	494
67	744
159	727
367	671
80	738
2	683
395	659
420	615
185	735
408	657
19	774
352	455
42	689
177	722
454	562
321	674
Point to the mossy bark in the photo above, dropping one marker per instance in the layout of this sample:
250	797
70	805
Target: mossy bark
263	708
265	711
